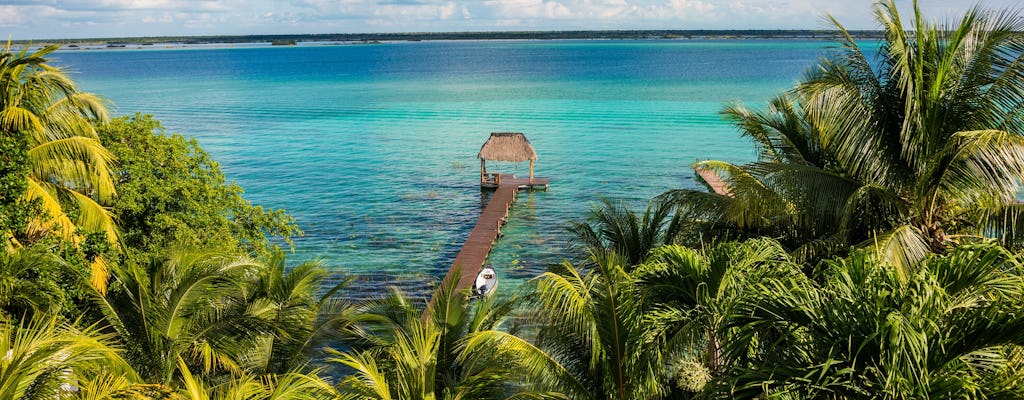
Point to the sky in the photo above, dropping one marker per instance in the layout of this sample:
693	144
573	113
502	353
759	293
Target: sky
52	19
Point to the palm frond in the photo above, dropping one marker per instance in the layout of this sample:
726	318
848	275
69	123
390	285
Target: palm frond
15	119
1005	224
903	247
368	381
985	167
51	205
80	163
541	368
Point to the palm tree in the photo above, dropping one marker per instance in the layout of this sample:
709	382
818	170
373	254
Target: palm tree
612	226
291	385
303	314
691	293
402	353
788	194
949	329
593	340
42	358
189	305
70	170
915	152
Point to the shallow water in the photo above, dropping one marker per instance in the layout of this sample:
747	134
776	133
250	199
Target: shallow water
372	147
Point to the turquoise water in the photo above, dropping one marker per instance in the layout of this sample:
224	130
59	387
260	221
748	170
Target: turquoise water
372	147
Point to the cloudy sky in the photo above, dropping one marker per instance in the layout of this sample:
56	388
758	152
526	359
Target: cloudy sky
41	19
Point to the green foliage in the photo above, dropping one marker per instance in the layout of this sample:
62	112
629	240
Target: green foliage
35	283
15	210
304	315
46	359
923	149
171	193
403	353
594	340
614	227
188	305
220	315
289	385
68	167
914	159
690	295
950	329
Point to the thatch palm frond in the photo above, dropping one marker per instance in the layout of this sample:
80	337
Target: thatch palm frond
594	326
192	387
106	386
189	305
400	352
759	202
815	198
18	119
903	247
692	293
91	215
782	131
298	386
870	210
614	227
368	381
944	327
700	207
1006	225
984	169
78	106
44	358
75	162
301	318
291	385
49	200
524	359
27	283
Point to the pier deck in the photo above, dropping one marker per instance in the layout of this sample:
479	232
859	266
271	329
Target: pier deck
478	246
712	179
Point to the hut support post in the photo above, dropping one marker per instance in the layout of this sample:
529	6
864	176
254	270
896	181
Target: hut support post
531	171
483	171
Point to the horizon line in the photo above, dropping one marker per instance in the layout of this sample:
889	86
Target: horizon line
453	35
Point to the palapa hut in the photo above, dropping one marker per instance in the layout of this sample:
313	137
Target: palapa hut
504	146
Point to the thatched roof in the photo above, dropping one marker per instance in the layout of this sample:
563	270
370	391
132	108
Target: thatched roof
507	146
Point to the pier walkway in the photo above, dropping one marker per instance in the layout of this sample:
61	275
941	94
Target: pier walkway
478	246
713	181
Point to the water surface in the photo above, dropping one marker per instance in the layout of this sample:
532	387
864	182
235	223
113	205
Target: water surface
372	147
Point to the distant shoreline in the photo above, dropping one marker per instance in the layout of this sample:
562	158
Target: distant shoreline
346	38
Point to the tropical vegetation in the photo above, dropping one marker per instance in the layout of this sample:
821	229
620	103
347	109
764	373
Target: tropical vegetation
917	150
873	251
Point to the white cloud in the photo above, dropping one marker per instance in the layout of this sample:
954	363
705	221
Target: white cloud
25	19
12	16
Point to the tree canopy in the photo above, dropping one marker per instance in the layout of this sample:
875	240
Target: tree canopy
171	192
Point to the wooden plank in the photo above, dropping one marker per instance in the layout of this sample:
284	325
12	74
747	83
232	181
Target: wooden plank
712	179
477	247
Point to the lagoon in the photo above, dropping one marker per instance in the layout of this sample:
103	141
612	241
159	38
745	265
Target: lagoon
372	147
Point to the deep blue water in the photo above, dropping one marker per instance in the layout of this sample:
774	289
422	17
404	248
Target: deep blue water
372	147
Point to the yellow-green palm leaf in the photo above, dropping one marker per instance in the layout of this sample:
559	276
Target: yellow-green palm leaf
70	169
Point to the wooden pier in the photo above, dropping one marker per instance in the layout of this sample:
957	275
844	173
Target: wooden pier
478	246
714	181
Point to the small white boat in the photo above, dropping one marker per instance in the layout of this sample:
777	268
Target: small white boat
486	282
